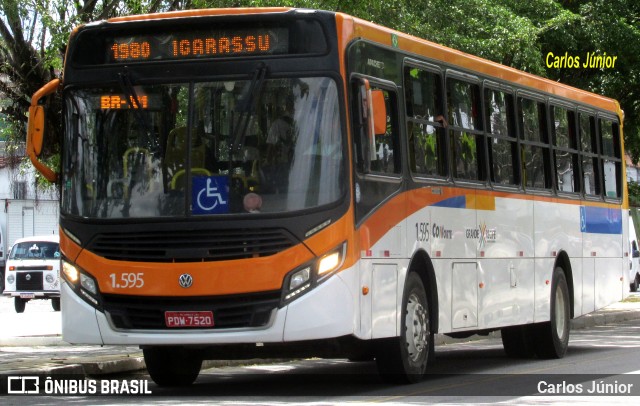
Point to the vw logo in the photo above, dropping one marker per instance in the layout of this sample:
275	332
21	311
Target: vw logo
185	280
28	277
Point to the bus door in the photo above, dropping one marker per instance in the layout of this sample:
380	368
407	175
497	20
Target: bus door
378	178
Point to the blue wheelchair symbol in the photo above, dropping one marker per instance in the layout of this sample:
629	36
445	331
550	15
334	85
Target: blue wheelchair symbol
210	195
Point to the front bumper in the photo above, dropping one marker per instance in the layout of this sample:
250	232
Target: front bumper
32	295
327	311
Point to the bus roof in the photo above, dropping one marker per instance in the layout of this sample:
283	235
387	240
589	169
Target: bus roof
201	13
351	28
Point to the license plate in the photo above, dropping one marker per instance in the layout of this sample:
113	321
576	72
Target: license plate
27	295
189	319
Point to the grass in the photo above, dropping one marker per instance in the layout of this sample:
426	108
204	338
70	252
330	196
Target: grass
631	299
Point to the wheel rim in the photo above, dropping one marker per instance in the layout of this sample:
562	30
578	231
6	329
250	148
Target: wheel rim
561	316
417	328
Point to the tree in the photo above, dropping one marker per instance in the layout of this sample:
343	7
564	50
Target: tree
33	38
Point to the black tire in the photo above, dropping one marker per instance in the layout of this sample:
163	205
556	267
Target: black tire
19	304
518	341
55	304
172	366
633	286
552	337
404	359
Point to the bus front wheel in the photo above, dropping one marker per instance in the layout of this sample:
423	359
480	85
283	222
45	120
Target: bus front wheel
552	337
404	359
172	366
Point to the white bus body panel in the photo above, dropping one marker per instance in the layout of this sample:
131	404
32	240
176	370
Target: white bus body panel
494	260
79	319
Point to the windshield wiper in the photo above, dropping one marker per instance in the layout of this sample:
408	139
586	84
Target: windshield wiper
248	105
132	97
143	122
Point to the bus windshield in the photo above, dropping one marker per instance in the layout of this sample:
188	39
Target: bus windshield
207	148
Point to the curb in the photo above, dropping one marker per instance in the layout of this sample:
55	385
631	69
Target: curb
33	341
104	365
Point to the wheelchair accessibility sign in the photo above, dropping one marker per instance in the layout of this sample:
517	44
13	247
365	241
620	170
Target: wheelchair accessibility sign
210	195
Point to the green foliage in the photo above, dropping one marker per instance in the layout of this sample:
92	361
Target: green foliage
634	193
517	33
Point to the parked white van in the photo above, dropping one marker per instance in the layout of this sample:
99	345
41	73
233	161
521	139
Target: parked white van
33	271
2	261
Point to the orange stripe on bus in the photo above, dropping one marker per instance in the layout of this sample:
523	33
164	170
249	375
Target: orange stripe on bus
480	202
209	278
407	203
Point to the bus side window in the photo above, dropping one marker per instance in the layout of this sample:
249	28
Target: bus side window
611	158
465	130
565	149
425	122
502	142
534	144
589	155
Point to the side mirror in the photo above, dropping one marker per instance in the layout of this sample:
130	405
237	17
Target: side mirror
379	112
35	129
374	117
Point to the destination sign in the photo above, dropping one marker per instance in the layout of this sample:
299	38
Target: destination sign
119	102
200	44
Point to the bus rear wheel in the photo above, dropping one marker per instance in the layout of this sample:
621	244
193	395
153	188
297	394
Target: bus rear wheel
404	359
172	366
552	337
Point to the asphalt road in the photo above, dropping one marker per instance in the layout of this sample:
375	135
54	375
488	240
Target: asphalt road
464	373
38	319
476	372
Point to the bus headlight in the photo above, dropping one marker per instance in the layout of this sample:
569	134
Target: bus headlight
88	283
299	278
49	278
70	272
11	279
308	276
329	263
82	284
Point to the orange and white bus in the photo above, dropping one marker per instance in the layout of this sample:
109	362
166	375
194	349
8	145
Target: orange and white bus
281	182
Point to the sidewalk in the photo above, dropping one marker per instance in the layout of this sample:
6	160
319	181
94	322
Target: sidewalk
50	355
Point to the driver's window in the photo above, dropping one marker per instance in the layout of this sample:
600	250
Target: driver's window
379	154
376	156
